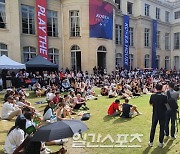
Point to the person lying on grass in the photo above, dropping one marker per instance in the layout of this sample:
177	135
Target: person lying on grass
128	110
114	108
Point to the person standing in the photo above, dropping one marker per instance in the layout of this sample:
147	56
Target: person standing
173	96
159	103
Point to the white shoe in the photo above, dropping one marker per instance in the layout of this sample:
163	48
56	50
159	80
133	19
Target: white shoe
150	144
161	145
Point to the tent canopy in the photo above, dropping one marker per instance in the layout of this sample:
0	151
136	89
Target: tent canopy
40	62
7	63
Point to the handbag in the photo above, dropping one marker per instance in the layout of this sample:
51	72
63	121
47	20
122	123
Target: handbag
85	116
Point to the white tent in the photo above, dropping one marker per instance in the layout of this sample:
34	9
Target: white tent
7	63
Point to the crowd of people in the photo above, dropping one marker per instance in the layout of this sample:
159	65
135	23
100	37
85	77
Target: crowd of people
68	91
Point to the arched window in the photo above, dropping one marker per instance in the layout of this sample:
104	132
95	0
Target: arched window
119	60
29	53
167	62
158	62
101	57
3	49
101	49
2	14
147	61
76	57
53	55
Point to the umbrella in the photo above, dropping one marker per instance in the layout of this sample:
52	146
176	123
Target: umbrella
59	130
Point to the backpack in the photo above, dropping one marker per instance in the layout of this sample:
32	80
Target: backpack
85	116
171	102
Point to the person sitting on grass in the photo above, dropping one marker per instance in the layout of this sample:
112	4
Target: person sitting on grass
62	113
128	110
10	109
114	108
48	111
15	136
79	102
112	93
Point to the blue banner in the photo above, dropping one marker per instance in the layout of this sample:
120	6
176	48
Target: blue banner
154	44
126	42
100	19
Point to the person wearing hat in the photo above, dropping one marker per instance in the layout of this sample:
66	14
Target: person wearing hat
9	109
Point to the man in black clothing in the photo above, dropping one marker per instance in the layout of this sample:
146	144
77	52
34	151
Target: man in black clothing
159	103
128	110
171	115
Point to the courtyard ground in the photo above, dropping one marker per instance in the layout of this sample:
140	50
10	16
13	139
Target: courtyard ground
108	135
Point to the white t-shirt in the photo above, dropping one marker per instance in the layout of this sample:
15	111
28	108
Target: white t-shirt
13	140
48	114
7	108
29	123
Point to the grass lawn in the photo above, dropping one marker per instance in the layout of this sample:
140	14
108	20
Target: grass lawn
101	125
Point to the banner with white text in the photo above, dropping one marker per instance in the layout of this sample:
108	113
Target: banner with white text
42	28
100	19
154	44
126	42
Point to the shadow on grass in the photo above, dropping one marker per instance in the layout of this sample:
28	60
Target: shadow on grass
1	143
107	118
4	131
122	120
158	149
1	151
147	150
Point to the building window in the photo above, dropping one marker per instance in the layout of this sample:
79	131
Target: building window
167	16
147	61
146	9
146	37
118	34
2	14
158	62
176	41
176	62
101	57
74	23
131	61
129	8
76	58
29	53
119	60
158	39
131	36
53	55
177	15
52	23
3	49
167	41
157	13
167	62
118	2
28	24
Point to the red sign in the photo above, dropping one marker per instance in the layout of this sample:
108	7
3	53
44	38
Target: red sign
42	28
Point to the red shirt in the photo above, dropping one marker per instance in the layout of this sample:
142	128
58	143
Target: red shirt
56	100
112	109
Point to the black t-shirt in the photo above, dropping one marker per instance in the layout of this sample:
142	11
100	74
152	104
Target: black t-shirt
158	101
126	110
